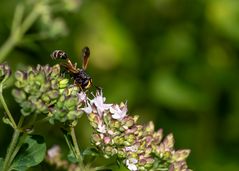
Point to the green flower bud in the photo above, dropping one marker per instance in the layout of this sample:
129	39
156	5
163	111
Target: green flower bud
72	115
27	108
117	124
128	122
19	84
149	162
19	95
96	139
19	75
45	98
121	154
63	83
129	139
55	71
167	155
71	103
109	151
54	84
5	72
39	79
120	141
44	87
52	94
31	76
41	107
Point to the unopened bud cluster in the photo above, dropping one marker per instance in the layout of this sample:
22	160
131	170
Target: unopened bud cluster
138	146
42	90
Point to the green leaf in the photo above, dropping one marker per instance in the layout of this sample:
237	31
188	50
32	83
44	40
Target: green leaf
1	163
31	153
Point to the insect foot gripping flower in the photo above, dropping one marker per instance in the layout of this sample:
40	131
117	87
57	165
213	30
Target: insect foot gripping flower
138	147
43	90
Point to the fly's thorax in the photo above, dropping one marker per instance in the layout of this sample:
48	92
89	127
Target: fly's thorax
83	79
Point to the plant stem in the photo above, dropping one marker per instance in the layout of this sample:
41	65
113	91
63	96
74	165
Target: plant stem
19	30
6	108
11	149
77	149
14	146
17	19
69	144
6	48
20	122
18	146
31	18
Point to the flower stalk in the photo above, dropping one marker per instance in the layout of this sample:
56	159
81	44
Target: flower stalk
9	115
11	149
74	139
18	29
76	147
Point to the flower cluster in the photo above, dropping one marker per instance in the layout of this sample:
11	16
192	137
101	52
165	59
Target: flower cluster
138	146
44	90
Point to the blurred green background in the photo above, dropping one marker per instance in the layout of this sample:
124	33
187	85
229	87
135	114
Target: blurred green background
174	62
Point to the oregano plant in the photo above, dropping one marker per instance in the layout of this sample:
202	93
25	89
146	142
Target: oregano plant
45	94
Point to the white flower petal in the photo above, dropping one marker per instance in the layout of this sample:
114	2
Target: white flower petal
87	109
101	128
132	148
131	164
117	112
101	107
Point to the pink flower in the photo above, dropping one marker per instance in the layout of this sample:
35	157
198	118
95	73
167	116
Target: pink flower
118	112
87	109
131	164
54	151
101	107
82	96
